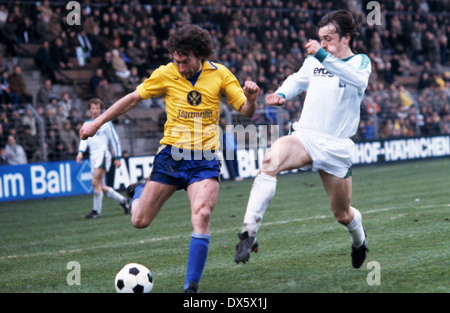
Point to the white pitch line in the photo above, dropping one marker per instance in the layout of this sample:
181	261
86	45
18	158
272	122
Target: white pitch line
116	245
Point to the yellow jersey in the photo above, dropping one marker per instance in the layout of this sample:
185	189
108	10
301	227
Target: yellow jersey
193	105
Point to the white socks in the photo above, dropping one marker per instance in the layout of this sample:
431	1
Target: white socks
355	229
98	198
115	195
262	193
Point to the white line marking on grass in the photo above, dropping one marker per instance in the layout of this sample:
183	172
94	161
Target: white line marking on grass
157	239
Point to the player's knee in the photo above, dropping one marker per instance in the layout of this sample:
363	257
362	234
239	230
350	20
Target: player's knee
270	165
202	216
139	222
342	216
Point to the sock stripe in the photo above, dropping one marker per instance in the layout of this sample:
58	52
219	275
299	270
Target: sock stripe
201	236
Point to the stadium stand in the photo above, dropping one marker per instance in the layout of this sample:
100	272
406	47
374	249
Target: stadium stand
262	40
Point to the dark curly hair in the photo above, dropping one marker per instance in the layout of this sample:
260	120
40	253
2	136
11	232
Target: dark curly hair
191	38
344	23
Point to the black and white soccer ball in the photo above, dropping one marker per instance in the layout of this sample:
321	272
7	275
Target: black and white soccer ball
134	278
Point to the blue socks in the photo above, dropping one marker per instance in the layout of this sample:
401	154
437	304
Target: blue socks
198	249
137	193
198	252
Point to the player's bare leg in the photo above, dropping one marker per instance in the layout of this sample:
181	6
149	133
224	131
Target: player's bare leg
339	191
202	197
286	153
98	177
111	193
150	202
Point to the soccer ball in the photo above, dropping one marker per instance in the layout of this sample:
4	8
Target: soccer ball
134	278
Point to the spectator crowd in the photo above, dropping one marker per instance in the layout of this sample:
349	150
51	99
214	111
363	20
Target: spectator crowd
261	40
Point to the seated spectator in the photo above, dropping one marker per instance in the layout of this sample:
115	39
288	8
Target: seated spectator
25	31
55	25
95	79
5	121
3	136
134	80
16	121
5	90
98	46
29	120
134	55
52	105
59	55
105	92
19	93
65	103
43	32
15	152
69	138
60	117
56	150
424	80
45	9
107	67
29	143
120	68
85	44
8	35
44	62
405	64
3	15
44	93
107	38
3	156
50	120
74	117
3	67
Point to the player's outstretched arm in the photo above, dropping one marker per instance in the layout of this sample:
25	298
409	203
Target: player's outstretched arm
251	91
120	107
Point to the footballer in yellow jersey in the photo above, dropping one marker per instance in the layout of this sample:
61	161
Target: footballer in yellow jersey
192	87
193	104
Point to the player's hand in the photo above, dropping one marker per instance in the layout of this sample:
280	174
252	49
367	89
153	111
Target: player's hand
251	90
88	129
312	46
79	157
274	99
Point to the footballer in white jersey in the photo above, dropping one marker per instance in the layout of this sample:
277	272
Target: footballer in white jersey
335	79
99	146
335	90
100	158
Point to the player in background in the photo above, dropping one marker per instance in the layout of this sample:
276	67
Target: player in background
335	79
100	158
192	87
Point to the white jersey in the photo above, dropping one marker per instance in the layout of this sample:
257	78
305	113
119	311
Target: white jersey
335	89
99	145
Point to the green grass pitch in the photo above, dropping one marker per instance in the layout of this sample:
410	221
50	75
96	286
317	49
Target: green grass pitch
405	208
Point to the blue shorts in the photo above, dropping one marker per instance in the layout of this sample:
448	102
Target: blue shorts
183	168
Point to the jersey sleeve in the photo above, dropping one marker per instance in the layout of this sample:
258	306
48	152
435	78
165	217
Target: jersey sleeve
232	90
153	86
296	83
114	140
355	72
83	146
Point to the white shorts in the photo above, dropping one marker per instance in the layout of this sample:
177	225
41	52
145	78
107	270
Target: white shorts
328	153
101	160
